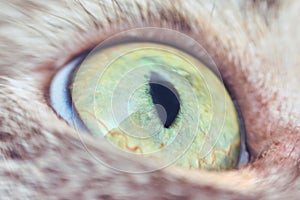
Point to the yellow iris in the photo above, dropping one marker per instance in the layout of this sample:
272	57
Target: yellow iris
111	92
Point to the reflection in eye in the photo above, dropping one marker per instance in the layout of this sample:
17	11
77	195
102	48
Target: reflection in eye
156	100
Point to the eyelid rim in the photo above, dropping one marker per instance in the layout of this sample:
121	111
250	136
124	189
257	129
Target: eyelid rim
165	36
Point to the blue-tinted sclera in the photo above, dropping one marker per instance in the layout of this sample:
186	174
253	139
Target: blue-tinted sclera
60	97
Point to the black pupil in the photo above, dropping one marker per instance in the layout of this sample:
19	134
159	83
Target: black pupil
166	96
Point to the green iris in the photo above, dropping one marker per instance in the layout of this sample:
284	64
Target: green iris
158	101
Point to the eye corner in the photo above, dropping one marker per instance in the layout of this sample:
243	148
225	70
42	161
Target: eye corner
59	97
244	155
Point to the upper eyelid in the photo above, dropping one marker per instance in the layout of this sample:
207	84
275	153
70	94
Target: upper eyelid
59	25
78	31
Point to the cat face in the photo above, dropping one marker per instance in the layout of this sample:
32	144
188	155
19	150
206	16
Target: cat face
255	45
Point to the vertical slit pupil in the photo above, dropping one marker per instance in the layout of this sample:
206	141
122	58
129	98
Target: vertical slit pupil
166	99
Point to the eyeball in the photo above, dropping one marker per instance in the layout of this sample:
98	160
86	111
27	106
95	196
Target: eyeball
155	100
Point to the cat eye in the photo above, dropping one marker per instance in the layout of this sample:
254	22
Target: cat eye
151	99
